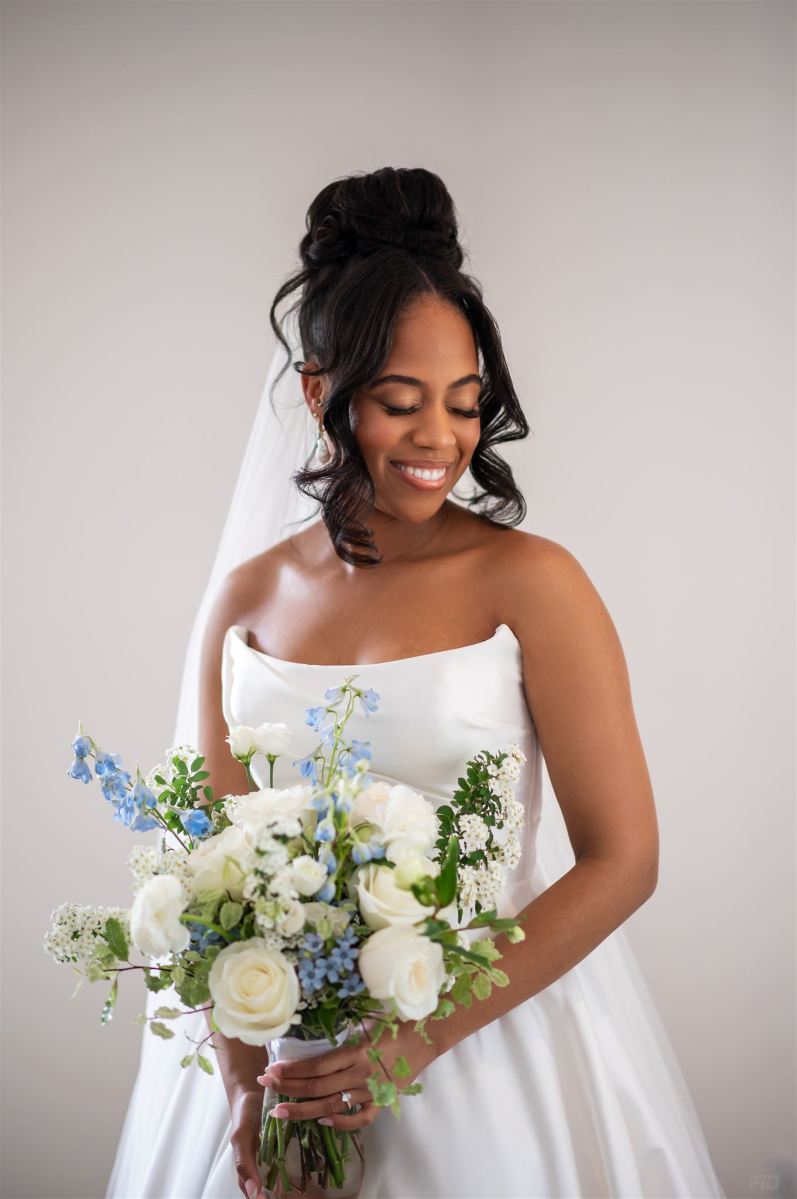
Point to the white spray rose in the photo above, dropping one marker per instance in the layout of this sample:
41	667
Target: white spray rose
155	927
368	805
409	823
255	992
308	875
405	820
413	867
398	963
222	863
253	812
383	901
244	740
293	919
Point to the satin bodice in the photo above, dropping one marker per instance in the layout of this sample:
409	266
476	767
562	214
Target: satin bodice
435	712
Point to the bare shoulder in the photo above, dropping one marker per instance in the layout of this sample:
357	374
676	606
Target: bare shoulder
547	596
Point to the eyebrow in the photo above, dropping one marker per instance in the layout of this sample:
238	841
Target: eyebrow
411	381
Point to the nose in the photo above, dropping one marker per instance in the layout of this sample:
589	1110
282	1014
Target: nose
433	428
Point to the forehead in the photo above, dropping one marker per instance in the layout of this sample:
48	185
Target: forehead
432	336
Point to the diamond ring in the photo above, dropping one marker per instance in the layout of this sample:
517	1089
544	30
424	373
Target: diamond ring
346	1097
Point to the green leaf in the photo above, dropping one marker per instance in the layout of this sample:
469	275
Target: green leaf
187	1060
413	1088
401	1067
179	765
486	918
161	1030
446	880
197	762
155	981
201	774
384	1093
205	1063
444	1008
373	1055
110	1002
115	936
420	1028
499	977
482	987
461	991
230	914
169	1013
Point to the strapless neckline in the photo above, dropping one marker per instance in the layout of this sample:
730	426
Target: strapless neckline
243	635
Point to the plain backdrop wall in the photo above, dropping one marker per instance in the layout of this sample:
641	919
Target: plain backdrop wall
624	173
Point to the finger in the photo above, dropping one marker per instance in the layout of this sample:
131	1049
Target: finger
355	1120
325	1063
316	1088
330	1105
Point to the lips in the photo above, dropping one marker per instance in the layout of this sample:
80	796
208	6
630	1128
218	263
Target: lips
423	484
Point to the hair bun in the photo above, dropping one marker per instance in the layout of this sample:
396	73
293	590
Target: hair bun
403	208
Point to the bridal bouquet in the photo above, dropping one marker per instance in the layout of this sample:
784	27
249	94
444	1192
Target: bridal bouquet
303	916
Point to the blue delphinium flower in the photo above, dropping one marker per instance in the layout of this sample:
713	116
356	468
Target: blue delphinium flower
361	853
333	694
81	746
81	770
314	716
327	892
320	803
131	809
307	767
325	830
369	700
196	822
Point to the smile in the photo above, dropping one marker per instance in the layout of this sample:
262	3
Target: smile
426	479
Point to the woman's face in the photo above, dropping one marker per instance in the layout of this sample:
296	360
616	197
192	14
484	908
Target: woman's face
424	412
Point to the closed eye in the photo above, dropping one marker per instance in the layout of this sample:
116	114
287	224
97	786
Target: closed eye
470	412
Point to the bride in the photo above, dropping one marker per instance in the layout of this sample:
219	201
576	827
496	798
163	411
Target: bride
563	1083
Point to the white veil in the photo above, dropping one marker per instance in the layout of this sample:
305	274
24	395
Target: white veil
266	507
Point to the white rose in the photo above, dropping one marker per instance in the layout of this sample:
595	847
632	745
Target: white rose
252	812
244	740
155	926
409	823
222	863
308	875
383	901
398	963
255	991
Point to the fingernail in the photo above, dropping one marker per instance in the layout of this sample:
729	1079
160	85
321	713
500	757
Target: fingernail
251	1188
325	1120
280	1111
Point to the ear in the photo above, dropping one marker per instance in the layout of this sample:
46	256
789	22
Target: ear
315	388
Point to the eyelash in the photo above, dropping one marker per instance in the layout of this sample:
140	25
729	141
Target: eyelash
472	414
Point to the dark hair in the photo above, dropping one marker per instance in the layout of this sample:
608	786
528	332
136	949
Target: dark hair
375	243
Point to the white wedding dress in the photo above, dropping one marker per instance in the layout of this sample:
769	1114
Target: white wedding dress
574	1094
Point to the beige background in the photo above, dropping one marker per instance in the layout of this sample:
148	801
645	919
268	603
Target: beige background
625	178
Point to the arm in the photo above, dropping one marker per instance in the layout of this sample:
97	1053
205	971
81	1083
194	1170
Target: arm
578	692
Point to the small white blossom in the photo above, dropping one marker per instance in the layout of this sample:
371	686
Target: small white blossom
473	832
75	929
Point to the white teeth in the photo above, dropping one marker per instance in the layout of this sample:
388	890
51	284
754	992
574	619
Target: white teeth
421	474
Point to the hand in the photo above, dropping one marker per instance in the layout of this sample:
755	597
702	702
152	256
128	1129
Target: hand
245	1112
318	1081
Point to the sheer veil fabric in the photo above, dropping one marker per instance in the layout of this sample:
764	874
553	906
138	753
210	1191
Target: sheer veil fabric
266	507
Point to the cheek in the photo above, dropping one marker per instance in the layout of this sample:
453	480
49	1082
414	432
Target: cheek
376	434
